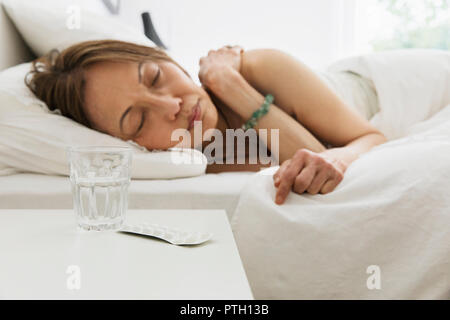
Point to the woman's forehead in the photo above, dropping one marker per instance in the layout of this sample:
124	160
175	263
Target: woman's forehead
108	88
103	69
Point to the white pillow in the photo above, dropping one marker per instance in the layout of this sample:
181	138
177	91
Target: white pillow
34	139
48	25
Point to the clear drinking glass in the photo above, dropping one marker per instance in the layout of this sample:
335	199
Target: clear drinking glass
100	177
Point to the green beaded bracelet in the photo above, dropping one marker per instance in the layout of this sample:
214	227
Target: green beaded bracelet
259	113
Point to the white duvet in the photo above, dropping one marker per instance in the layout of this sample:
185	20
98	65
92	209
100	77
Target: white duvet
391	213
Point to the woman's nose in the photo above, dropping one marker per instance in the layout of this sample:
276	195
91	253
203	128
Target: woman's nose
168	107
172	108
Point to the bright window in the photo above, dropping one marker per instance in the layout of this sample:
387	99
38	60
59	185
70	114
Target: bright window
394	24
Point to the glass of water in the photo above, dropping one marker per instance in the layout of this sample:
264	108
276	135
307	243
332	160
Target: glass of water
100	177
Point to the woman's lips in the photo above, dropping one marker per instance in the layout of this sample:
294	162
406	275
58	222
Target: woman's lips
195	115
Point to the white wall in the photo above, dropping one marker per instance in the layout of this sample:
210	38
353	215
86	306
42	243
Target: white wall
95	6
315	31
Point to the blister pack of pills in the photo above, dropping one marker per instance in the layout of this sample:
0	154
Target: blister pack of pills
172	235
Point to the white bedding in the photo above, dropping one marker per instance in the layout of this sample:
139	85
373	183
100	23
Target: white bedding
391	211
210	191
412	85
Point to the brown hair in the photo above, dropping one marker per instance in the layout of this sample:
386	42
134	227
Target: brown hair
57	78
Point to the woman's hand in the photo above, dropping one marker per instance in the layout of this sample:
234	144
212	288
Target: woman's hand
308	171
217	64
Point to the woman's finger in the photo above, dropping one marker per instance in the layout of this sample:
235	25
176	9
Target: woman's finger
328	186
240	47
332	183
235	47
287	178
283	166
304	179
277	175
320	178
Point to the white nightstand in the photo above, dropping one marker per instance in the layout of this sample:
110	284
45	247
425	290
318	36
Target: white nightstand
44	256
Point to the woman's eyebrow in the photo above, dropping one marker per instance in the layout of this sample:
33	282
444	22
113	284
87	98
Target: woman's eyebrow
130	107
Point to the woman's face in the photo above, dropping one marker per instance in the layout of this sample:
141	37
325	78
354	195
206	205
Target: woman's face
145	102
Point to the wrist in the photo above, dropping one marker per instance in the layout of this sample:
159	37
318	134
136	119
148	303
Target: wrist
221	80
240	96
342	157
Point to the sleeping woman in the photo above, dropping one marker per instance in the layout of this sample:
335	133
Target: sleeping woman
139	93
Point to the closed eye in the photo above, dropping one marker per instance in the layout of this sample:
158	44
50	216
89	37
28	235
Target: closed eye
143	118
156	77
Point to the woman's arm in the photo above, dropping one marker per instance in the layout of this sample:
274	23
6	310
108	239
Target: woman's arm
320	172
302	95
234	90
304	107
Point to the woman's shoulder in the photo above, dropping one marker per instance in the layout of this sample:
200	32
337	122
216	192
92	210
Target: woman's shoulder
253	62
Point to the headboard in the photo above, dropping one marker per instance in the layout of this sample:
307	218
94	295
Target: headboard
13	49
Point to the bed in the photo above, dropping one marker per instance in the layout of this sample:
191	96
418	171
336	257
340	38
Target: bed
384	232
14	49
209	191
388	220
